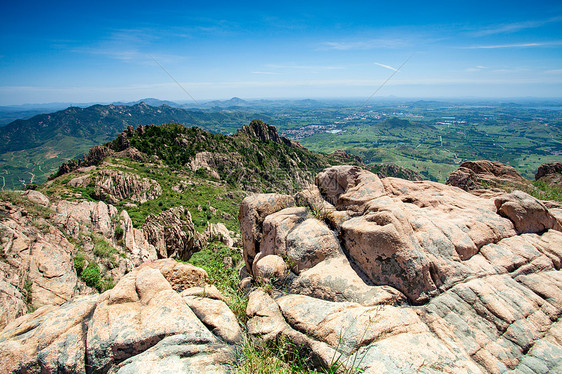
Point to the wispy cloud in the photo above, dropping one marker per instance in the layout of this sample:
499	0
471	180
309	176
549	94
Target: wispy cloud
477	68
554	71
129	45
514	27
364	44
305	67
515	45
385	66
265	72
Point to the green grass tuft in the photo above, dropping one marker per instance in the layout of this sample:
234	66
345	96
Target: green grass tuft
224	278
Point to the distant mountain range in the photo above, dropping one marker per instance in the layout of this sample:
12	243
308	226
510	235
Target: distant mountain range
10	113
32	149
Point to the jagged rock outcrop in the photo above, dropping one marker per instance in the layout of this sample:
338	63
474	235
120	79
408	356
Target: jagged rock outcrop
76	218
135	241
264	132
211	162
173	234
98	216
217	231
143	325
474	175
95	156
39	243
37	262
402	276
132	153
113	186
550	173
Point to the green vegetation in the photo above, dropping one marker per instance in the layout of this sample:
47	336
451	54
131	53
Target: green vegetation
91	274
545	191
429	137
79	262
102	248
282	356
241	161
33	149
34	210
225	278
27	287
93	277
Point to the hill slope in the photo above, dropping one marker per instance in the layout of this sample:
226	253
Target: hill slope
32	149
165	161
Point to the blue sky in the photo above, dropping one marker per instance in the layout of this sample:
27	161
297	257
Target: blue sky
103	51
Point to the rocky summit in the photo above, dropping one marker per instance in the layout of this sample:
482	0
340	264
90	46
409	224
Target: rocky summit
395	276
360	273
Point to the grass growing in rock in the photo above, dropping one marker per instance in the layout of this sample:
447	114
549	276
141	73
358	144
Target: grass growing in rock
546	191
90	273
279	357
104	250
33	209
224	277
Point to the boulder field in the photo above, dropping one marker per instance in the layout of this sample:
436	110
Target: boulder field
368	274
393	276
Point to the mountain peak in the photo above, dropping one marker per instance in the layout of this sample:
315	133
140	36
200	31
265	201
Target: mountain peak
260	130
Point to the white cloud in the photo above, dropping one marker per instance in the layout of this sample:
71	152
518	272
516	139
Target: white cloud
304	67
515	45
554	71
364	44
385	66
265	72
514	27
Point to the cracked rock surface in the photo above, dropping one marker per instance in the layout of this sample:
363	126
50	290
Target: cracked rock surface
142	325
402	276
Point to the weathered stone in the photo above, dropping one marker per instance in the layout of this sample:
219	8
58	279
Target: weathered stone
49	340
210	162
97	215
218	231
277	226
334	279
188	353
80	181
140	325
172	233
37	197
269	267
309	243
216	315
482	272
550	173
527	213
38	267
253	211
140	311
473	175
11	298
348	187
116	185
140	250
208	291
179	275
